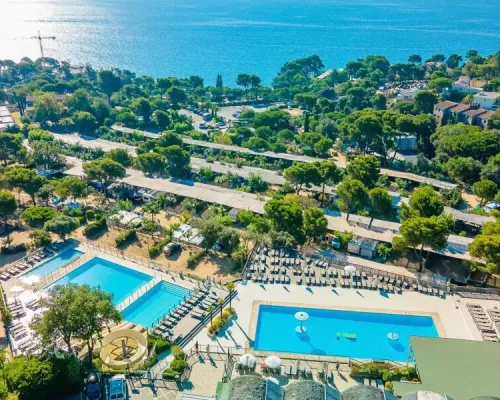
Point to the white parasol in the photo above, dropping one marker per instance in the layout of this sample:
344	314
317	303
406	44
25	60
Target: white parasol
17	289
302	316
273	362
247	360
31	280
350	268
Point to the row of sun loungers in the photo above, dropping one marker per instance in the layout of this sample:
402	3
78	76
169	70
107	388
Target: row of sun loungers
165	327
483	322
271	262
32	259
16	310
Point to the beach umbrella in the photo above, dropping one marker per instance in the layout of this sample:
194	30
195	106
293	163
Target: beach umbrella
16	289
302	316
31	280
273	362
350	268
247	360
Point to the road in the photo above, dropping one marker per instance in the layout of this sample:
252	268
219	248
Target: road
380	230
268	176
301	158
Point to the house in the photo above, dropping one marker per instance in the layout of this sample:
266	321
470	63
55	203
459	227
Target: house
472	115
362	247
442	111
6	119
120	190
487	100
30	100
468	86
483	119
491	205
460	369
457	112
407	94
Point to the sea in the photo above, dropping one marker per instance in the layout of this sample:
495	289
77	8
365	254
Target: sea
227	37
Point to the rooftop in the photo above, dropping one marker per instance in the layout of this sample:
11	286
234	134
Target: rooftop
488	95
487	115
473	113
444	105
460	108
461	369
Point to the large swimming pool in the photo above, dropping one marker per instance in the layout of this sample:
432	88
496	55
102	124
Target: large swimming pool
113	278
149	308
340	333
53	264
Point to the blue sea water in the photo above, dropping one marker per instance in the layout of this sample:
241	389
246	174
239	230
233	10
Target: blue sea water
325	328
206	37
152	306
110	277
52	264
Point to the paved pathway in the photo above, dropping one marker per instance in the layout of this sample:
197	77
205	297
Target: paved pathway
269	176
380	230
296	157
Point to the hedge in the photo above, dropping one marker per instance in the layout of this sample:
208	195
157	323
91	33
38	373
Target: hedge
196	258
155	250
125	237
95	227
218	323
14	249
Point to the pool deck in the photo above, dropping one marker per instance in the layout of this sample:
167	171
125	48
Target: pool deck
450	314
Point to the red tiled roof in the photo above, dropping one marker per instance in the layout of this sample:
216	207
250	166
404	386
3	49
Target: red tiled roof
444	105
460	107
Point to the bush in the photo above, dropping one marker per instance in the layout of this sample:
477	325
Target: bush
40	237
178	353
125	237
95	227
178	366
90	214
150	362
161	344
14	249
389	387
155	250
196	258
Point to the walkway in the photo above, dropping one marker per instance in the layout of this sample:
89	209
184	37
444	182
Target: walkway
268	176
379	230
296	157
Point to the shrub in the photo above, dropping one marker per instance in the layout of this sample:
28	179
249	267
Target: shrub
14	249
40	237
125	237
389	387
196	258
95	227
37	216
155	250
178	366
178	353
90	215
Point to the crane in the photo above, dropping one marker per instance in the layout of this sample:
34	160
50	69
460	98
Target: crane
40	39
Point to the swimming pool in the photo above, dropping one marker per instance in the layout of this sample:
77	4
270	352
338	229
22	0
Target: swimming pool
150	307
340	333
53	264
113	278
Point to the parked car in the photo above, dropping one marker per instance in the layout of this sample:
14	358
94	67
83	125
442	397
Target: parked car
202	125
117	388
335	242
220	124
93	387
171	248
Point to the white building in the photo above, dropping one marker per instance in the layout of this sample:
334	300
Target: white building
466	85
487	100
407	94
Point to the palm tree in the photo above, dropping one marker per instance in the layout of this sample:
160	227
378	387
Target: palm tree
211	311
230	286
220	301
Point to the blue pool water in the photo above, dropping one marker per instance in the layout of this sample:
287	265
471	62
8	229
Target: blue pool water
113	278
154	304
276	332
53	264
